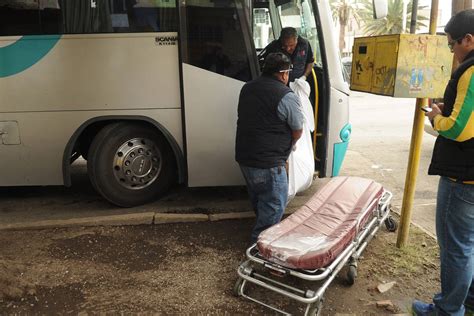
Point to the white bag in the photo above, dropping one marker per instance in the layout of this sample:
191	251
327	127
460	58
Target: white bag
301	160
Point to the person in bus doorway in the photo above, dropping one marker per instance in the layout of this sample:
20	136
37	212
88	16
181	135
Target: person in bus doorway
270	121
453	160
296	48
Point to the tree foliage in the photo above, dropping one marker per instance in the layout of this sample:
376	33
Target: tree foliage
362	12
392	23
342	10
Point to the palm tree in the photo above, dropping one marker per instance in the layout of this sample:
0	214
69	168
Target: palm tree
392	23
341	12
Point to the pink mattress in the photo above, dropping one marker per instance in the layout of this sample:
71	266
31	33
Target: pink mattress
320	230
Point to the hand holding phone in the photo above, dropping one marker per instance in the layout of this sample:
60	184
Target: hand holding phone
426	109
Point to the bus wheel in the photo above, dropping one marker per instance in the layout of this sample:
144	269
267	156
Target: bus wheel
130	164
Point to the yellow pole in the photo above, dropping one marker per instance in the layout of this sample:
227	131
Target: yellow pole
415	151
434	16
316	113
412	172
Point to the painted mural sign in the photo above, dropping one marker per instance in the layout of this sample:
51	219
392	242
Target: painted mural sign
402	65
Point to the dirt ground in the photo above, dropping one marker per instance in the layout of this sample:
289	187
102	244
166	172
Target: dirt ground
186	269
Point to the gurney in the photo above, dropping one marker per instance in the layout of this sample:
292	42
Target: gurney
326	234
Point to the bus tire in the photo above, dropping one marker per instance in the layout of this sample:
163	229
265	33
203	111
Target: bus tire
130	164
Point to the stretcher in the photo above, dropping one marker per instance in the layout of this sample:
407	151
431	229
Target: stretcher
326	234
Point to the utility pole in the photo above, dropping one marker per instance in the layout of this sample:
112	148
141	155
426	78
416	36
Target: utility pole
414	17
459	5
415	152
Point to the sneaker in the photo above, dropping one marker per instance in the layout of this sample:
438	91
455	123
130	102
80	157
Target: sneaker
420	308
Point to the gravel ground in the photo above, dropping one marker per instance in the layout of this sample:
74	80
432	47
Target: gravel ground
185	269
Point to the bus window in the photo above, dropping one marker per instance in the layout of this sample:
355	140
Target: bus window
144	15
119	16
19	17
215	38
262	28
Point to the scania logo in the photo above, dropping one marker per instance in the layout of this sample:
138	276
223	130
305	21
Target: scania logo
166	40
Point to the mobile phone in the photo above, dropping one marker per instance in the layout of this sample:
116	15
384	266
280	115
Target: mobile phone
426	109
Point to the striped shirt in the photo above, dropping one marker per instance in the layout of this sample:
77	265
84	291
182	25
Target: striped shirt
459	126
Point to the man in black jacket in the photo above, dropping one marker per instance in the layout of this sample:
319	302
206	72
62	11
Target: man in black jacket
270	121
296	48
453	160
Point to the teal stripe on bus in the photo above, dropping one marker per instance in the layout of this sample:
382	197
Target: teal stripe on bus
24	53
340	149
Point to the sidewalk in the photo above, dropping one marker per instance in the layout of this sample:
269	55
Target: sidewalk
50	207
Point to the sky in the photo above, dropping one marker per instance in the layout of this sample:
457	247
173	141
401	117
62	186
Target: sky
445	8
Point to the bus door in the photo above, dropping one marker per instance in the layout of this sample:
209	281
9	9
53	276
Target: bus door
218	57
312	20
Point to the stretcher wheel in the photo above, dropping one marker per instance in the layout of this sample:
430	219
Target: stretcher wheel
314	309
238	287
391	224
351	274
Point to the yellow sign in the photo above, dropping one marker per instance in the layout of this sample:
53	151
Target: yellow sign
402	65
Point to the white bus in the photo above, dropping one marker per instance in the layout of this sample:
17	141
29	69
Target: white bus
146	90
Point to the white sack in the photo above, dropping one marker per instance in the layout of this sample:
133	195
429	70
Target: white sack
301	160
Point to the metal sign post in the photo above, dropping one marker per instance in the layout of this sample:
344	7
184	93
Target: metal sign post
415	151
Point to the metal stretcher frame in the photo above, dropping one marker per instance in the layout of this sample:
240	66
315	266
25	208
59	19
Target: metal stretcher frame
313	299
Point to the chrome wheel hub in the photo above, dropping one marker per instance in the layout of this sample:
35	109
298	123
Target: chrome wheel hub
137	163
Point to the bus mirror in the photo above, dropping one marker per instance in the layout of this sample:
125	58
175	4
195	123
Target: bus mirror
380	8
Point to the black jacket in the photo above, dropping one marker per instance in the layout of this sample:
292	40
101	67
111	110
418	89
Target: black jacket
451	158
263	139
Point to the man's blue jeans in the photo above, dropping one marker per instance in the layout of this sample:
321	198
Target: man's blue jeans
268	192
455	232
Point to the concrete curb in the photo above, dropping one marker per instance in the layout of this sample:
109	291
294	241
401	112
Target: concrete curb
165	218
148	218
232	215
111	220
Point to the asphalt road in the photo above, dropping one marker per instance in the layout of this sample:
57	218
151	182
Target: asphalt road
379	149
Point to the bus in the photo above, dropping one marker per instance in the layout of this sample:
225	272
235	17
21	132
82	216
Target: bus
146	91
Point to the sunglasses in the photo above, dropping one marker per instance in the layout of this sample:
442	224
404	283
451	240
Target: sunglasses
287	70
453	42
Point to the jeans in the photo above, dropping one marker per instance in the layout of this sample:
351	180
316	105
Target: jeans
455	232
268	192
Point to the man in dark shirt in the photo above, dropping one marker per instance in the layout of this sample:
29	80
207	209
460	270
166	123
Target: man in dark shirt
296	48
270	121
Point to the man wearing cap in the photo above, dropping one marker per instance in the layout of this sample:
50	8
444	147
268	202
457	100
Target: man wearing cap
270	121
296	48
453	160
